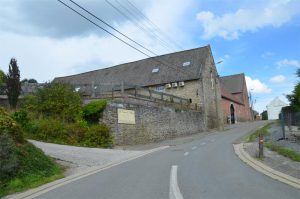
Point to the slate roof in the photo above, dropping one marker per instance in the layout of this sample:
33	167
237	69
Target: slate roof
231	85
226	94
234	83
140	72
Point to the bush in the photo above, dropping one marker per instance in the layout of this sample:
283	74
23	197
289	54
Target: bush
98	136
9	126
49	130
22	118
56	100
8	157
93	110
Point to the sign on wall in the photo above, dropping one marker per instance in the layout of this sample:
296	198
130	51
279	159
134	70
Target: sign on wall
126	116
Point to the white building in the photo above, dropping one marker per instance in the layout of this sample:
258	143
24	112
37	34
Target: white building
274	108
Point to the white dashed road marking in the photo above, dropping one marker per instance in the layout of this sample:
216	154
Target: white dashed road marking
174	192
186	153
194	147
203	143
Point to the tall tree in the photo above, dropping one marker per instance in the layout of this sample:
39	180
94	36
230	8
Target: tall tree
13	84
294	98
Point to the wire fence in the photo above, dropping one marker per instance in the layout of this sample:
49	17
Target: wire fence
290	123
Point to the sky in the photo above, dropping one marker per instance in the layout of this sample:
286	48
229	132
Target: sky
260	38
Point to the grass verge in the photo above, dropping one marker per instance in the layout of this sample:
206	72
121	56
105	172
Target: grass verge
35	169
264	131
293	155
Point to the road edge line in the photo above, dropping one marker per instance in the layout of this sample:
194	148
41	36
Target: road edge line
32	193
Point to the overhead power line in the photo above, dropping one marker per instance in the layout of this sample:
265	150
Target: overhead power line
136	22
123	41
151	23
113	28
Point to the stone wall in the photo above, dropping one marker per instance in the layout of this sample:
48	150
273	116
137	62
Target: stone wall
152	122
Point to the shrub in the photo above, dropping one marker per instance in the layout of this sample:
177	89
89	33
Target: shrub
49	130
93	110
8	157
98	136
76	132
56	100
9	126
21	117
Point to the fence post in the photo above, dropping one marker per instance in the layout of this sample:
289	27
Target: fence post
112	90
93	89
122	87
261	146
150	93
282	124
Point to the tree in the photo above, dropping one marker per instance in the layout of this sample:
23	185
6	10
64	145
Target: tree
2	82
29	81
13	84
294	98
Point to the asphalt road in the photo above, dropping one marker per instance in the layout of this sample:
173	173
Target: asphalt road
204	168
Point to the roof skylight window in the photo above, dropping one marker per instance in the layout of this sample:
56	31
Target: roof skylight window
155	70
187	63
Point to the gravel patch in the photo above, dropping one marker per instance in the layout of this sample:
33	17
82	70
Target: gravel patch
276	133
77	159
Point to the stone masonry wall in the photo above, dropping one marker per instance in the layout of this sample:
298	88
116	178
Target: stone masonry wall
152	123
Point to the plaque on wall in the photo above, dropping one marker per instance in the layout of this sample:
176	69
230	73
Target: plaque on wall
126	116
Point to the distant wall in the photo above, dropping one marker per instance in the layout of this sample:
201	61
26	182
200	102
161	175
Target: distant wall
152	122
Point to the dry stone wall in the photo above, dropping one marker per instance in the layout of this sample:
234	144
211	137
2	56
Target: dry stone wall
152	123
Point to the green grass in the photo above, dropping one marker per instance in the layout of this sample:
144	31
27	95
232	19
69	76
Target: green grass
293	155
35	169
264	131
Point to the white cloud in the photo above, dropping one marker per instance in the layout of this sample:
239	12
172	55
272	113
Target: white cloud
288	62
256	86
278	79
44	57
231	25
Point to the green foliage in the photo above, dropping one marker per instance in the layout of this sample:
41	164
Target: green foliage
2	82
77	133
98	136
29	81
9	126
2	77
264	115
8	157
55	100
92	111
21	117
293	155
264	131
13	84
294	98
34	169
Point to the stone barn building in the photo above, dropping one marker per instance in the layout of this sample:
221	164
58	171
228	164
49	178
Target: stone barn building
188	74
235	101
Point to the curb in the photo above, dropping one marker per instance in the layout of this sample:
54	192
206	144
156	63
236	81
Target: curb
32	193
257	165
